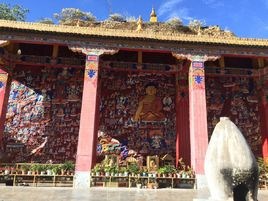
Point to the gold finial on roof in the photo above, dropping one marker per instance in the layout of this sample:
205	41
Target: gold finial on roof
153	16
139	23
78	23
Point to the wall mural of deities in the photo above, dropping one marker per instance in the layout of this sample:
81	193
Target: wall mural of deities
43	112
236	98
137	111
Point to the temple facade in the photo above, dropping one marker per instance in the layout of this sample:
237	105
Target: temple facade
79	93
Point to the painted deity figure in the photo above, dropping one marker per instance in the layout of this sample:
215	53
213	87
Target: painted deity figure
150	107
73	93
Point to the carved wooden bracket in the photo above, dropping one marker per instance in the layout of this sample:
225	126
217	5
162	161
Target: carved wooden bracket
197	57
4	43
92	50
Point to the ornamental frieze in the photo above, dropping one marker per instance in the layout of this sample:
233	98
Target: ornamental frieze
121	43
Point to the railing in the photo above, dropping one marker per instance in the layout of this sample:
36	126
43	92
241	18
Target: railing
16	174
136	66
232	71
77	62
36	180
37	60
46	60
142	182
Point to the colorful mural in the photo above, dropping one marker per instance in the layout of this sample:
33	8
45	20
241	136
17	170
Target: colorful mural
138	110
42	120
236	98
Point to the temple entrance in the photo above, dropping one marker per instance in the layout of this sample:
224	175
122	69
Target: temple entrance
138	105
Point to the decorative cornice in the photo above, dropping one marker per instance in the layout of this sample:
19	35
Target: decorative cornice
104	32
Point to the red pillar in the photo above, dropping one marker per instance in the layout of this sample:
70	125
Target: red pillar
264	127
87	135
87	139
198	115
4	94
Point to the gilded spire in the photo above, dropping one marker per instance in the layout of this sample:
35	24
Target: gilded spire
153	16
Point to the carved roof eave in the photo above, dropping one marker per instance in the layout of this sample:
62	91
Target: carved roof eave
122	33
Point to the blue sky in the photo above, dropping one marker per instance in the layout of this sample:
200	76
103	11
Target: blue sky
246	18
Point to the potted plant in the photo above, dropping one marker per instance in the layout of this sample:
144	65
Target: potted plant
37	168
68	167
113	170
34	168
7	170
123	171
24	168
107	170
133	169
167	170
170	170
55	169
48	168
98	168
116	171
161	172
120	174
190	172
41	169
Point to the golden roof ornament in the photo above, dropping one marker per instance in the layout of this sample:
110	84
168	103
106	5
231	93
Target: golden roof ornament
78	23
139	23
153	16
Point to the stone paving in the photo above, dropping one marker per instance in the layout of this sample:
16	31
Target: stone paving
104	194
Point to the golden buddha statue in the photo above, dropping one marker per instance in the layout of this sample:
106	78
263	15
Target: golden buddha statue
149	108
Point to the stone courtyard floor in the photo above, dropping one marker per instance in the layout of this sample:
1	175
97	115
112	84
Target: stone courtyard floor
104	194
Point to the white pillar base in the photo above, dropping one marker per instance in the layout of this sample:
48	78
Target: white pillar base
201	181
81	179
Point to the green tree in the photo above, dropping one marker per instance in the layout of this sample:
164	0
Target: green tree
73	16
46	21
196	25
116	17
174	22
16	13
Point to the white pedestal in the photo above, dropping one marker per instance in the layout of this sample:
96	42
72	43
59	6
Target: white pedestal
201	181
82	179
